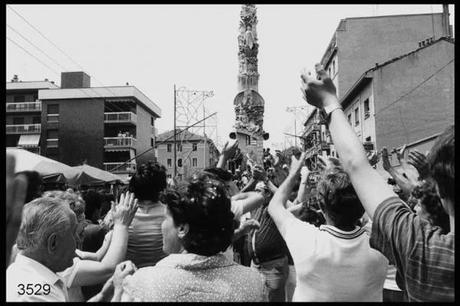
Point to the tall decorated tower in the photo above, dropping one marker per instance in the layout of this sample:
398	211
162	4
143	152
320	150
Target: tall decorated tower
248	103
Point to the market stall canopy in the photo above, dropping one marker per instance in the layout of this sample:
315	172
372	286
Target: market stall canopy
28	161
89	175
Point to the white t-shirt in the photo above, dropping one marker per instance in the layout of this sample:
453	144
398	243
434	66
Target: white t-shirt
334	265
75	293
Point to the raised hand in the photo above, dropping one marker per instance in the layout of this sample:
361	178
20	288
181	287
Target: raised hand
319	91
230	148
297	164
385	159
16	191
123	213
304	172
420	162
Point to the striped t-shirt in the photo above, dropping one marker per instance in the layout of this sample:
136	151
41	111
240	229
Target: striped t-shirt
145	241
423	255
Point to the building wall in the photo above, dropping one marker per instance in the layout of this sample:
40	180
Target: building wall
366	126
363	42
144	132
80	131
187	156
426	80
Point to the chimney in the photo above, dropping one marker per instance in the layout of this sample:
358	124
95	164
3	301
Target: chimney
77	79
445	20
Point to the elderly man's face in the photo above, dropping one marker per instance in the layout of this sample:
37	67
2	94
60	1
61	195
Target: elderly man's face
66	245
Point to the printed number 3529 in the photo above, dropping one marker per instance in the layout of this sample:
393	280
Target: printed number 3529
33	289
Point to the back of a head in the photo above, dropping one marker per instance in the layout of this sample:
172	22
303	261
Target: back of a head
34	185
40	218
75	202
205	206
441	161
338	198
148	182
93	201
220	173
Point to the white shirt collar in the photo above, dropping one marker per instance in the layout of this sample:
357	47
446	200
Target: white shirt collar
40	268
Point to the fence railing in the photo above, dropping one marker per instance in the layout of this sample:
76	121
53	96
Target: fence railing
23	107
119	142
23	128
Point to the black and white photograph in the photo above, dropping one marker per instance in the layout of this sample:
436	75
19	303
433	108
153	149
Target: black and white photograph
230	153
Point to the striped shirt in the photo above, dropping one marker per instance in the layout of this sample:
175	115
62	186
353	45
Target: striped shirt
423	255
145	240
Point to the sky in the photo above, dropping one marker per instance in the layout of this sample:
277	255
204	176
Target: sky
155	47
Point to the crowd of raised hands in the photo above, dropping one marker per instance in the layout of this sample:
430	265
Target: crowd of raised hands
411	216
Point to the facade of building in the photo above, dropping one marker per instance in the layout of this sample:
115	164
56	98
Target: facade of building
23	113
193	153
361	43
101	126
408	100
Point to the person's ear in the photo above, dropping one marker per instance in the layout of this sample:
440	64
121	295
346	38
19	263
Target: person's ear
182	230
52	243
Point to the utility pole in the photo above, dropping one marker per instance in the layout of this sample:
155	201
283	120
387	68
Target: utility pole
175	153
293	109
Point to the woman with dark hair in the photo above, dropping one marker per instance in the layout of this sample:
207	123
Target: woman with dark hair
145	243
197	229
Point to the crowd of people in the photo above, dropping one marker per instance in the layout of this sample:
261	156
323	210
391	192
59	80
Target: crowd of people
265	233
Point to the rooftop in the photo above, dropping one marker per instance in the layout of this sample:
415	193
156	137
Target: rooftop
100	92
184	136
30	85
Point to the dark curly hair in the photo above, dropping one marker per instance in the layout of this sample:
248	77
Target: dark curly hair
431	204
148	182
337	197
204	205
441	161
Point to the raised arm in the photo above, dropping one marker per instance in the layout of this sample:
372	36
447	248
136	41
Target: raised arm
227	152
304	189
369	185
246	202
93	272
277	207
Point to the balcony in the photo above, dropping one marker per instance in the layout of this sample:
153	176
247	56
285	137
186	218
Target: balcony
23	107
120	117
119	143
23	128
126	168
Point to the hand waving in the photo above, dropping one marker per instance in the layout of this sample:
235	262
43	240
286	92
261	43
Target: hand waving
230	148
123	213
297	164
318	92
420	162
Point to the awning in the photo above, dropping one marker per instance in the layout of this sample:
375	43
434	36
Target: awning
28	141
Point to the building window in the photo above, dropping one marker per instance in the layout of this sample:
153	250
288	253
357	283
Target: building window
168	147
195	147
368	138
356	116
52	138
179	162
18	120
366	109
194	162
19	98
169	163
349	119
151	142
53	109
36	120
152	121
179	147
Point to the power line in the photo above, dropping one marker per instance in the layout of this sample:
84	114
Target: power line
413	89
39	49
42	35
32	55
